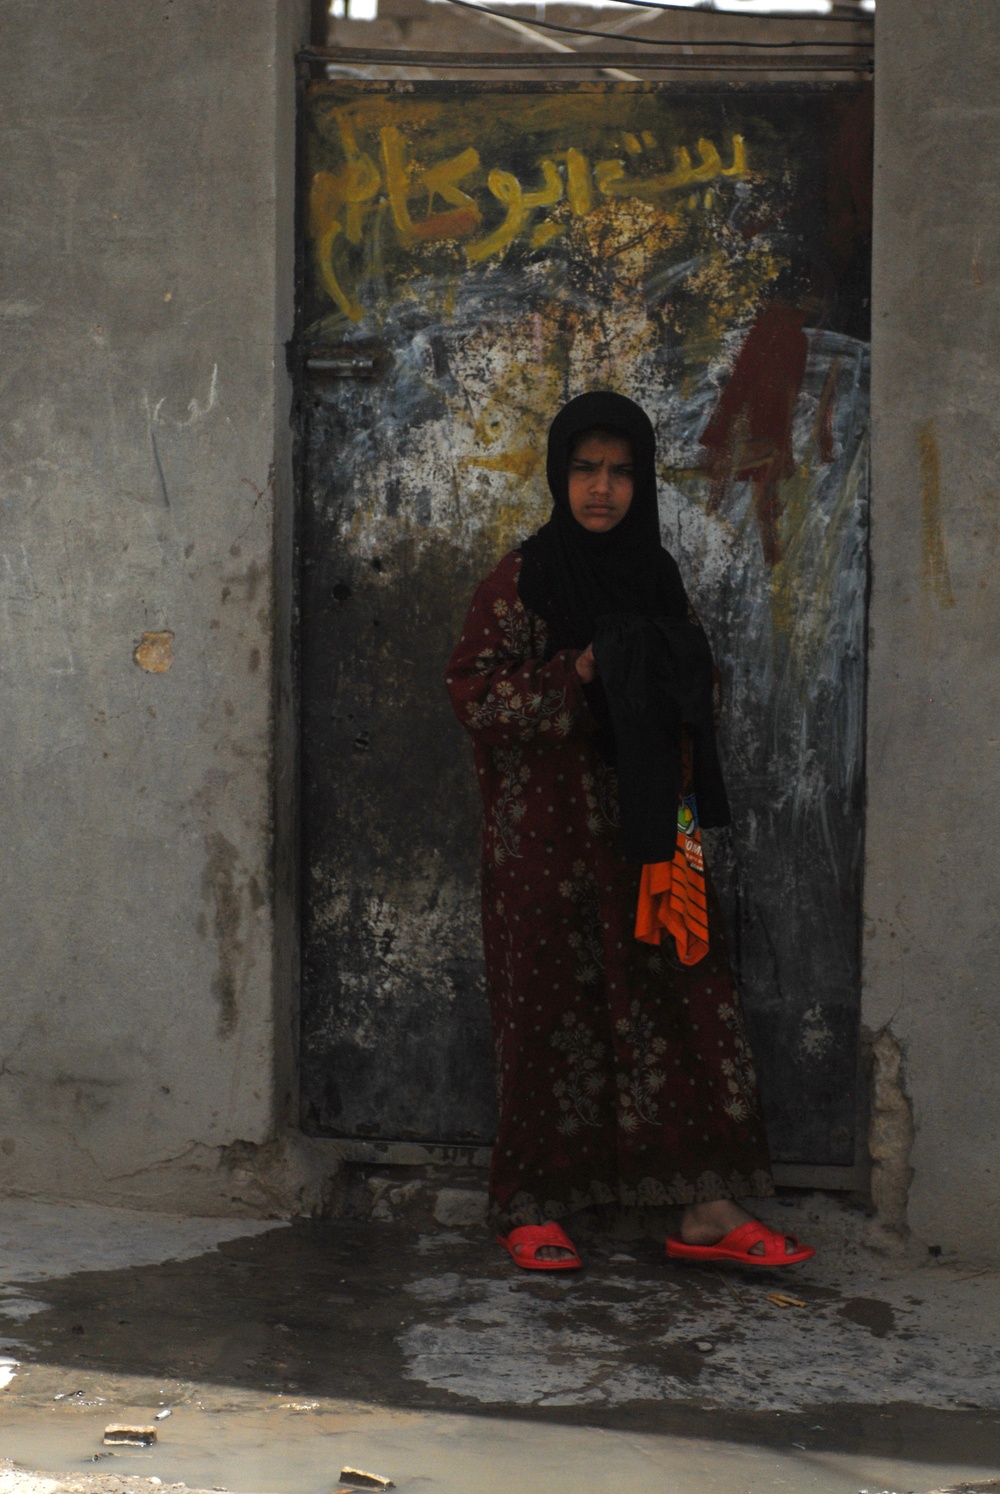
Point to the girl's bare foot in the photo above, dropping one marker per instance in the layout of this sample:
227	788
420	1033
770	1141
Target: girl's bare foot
537	1246
708	1223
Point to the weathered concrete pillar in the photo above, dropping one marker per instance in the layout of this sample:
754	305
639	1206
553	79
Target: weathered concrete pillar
932	970
146	486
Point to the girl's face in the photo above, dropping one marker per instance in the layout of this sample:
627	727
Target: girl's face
600	482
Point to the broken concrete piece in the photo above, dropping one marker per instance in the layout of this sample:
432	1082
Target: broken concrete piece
406	1192
891	1134
460	1206
356	1479
388	1192
129	1436
293	1176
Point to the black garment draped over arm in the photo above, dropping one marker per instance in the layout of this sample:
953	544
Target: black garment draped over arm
657	677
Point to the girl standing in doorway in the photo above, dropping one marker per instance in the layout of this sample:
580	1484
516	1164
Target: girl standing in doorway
623	1071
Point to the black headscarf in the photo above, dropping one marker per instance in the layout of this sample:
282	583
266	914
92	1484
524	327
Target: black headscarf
571	577
622	591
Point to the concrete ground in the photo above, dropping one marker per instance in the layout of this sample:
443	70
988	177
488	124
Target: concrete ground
407	1344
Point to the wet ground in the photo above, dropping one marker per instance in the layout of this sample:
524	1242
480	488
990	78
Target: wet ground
414	1347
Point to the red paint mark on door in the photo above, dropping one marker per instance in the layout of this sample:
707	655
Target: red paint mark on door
749	435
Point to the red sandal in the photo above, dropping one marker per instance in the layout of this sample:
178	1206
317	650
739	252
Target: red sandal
524	1242
737	1244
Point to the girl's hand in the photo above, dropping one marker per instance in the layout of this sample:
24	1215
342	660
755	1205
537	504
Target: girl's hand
586	667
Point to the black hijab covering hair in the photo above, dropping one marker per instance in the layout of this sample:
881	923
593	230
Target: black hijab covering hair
571	577
622	591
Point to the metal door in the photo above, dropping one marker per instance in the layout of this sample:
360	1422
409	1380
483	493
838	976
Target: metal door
475	255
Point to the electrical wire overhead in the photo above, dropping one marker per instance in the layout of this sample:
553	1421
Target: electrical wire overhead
657	41
757	15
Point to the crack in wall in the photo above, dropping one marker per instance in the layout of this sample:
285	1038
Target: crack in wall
219	887
890	1134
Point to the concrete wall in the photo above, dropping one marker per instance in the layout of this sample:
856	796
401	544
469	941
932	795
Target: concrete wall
147	177
146	945
933	940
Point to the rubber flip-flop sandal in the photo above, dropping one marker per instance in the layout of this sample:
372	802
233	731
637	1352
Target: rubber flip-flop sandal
524	1242
737	1244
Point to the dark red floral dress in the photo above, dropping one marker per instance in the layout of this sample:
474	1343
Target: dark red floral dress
623	1076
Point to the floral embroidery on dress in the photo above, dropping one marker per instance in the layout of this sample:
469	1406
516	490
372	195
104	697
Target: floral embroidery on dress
529	709
509	806
601	791
515	628
706	1188
507	704
639	1084
585	940
486	661
578	1092
524	1208
528	633
741	1080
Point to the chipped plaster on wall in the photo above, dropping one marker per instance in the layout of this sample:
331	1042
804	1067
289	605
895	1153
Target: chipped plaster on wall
890	1133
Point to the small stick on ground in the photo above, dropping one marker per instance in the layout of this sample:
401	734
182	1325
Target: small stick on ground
734	1293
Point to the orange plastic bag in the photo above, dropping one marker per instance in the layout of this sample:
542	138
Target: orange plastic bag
672	893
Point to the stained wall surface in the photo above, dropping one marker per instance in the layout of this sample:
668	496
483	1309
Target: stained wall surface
148	184
933	943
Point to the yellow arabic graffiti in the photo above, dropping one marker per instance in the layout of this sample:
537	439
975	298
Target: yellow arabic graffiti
338	199
333	193
614	183
507	189
437	181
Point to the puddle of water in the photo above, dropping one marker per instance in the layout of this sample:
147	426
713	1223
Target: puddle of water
281	1451
40	1241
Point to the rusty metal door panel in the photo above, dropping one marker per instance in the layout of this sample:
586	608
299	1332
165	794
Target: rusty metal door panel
475	255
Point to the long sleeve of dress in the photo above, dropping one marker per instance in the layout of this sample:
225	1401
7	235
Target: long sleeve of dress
502	689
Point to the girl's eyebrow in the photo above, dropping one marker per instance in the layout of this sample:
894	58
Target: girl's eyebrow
591	462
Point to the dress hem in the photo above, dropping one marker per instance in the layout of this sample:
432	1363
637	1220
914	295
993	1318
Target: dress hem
709	1187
